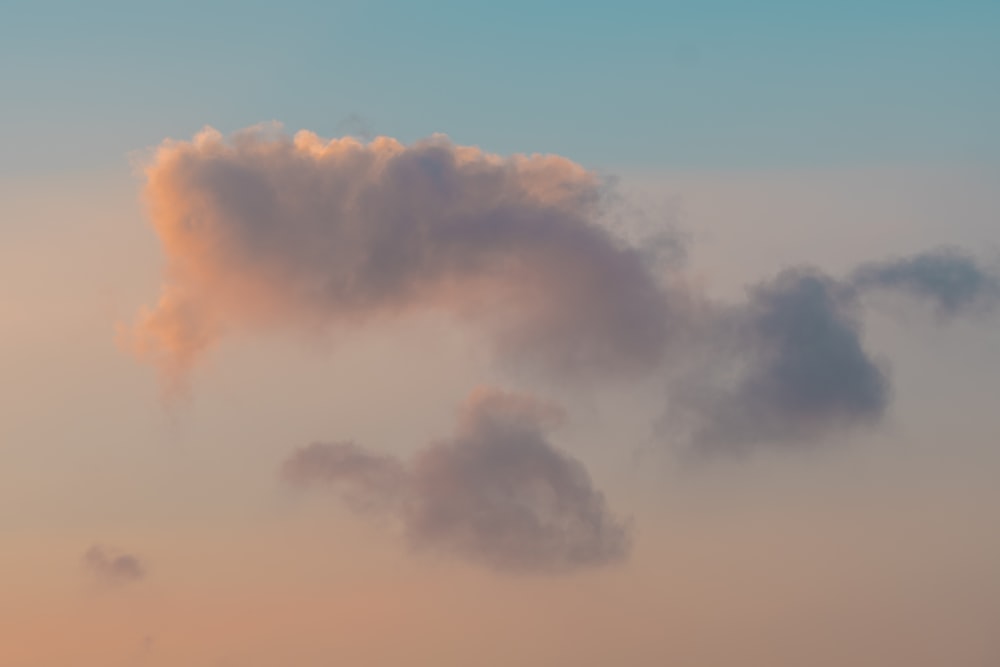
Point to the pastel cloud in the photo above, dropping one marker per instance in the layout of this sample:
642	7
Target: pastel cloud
266	231
262	231
363	480
496	492
111	567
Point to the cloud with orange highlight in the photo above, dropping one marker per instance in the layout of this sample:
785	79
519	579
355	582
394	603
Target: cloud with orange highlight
262	231
265	231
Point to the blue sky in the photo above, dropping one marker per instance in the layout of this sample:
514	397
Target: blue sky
663	85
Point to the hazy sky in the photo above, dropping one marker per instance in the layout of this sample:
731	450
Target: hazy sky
614	334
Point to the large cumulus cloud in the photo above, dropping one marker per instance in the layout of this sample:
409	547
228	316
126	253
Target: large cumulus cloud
263	230
496	492
266	231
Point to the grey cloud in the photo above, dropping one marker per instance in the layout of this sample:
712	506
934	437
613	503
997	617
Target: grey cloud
786	367
496	492
113	567
365	481
949	278
789	366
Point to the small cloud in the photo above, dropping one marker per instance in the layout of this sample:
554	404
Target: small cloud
953	281
263	230
365	481
112	567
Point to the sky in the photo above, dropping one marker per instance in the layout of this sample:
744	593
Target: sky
385	333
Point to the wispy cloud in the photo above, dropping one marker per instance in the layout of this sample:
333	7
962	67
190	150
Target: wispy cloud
949	278
112	567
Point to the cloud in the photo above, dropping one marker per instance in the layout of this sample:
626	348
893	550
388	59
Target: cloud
789	367
786	367
262	231
949	278
496	493
265	231
366	482
111	567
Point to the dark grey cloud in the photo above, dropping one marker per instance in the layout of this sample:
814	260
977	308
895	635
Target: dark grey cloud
112	567
952	280
496	492
788	366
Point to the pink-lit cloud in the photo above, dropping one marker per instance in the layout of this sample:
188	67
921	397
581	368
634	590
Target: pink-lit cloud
266	231
262	231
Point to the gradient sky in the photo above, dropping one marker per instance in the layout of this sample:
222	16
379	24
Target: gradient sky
709	84
138	529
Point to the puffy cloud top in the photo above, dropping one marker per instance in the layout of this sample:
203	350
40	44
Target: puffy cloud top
263	230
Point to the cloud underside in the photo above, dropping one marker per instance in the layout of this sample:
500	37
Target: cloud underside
496	493
263	231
